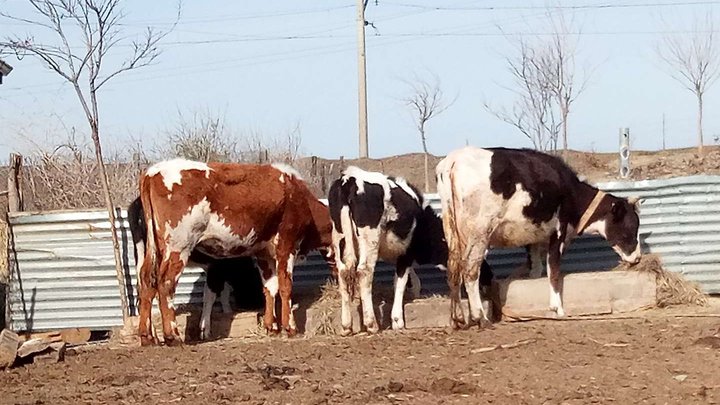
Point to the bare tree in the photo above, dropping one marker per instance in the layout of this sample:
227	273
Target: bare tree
547	84
85	32
533	112
204	136
426	102
694	61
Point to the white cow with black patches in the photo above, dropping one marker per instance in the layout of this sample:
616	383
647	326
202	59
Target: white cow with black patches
499	197
379	217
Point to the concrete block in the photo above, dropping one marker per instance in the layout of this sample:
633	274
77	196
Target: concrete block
582	294
239	324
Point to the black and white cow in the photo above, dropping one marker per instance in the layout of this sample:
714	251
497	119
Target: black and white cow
239	275
379	217
499	197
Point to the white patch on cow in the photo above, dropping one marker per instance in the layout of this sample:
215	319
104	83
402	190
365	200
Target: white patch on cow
472	287
392	246
186	233
171	170
170	303
290	264
288	170
173	325
633	257
556	303
514	229
596	228
404	185
362	176
292	323
272	285
398	321
209	298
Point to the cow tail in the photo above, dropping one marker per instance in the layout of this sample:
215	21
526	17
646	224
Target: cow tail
150	241
349	256
456	245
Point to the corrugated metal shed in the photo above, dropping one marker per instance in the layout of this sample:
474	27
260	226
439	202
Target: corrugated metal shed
65	275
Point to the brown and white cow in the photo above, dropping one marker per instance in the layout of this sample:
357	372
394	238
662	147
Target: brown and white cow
499	197
226	210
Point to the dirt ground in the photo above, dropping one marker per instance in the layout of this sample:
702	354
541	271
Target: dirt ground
654	358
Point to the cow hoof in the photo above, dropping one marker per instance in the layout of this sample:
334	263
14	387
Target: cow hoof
372	328
485	324
345	331
398	324
147	341
458	324
559	312
291	332
173	341
204	335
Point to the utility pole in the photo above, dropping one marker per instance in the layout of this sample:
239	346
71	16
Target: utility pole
362	78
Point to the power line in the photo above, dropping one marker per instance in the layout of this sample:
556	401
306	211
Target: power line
579	7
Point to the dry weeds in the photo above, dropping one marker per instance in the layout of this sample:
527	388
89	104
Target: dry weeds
672	287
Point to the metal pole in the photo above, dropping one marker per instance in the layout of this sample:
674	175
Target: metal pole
624	152
362	77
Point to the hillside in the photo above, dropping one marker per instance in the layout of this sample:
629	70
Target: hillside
595	167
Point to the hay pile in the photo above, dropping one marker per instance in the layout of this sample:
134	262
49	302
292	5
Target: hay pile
672	288
328	306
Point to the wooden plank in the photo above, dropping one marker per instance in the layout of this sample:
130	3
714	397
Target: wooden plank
9	343
75	336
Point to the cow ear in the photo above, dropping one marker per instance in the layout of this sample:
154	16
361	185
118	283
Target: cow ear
618	209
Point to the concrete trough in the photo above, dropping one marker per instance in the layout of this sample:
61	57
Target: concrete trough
600	293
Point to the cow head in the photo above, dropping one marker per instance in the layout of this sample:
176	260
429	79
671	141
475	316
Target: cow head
319	234
428	244
622	224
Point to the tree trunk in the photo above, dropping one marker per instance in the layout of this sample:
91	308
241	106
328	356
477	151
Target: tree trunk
427	158
564	112
113	229
14	184
700	123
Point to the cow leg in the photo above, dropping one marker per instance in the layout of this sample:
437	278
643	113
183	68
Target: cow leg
415	284
402	272
285	264
553	266
346	281
209	297
213	282
225	298
368	254
535	255
471	277
147	291
270	288
170	272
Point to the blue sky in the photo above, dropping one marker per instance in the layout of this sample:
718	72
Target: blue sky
269	65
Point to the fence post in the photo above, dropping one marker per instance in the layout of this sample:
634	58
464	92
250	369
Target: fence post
15	195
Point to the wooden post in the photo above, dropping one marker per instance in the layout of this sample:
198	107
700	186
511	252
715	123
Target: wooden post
313	166
342	163
323	183
15	195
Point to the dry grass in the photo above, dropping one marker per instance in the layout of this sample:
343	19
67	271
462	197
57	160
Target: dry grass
672	288
328	306
4	266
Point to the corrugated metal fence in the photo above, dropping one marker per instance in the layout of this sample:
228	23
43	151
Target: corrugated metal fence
63	272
